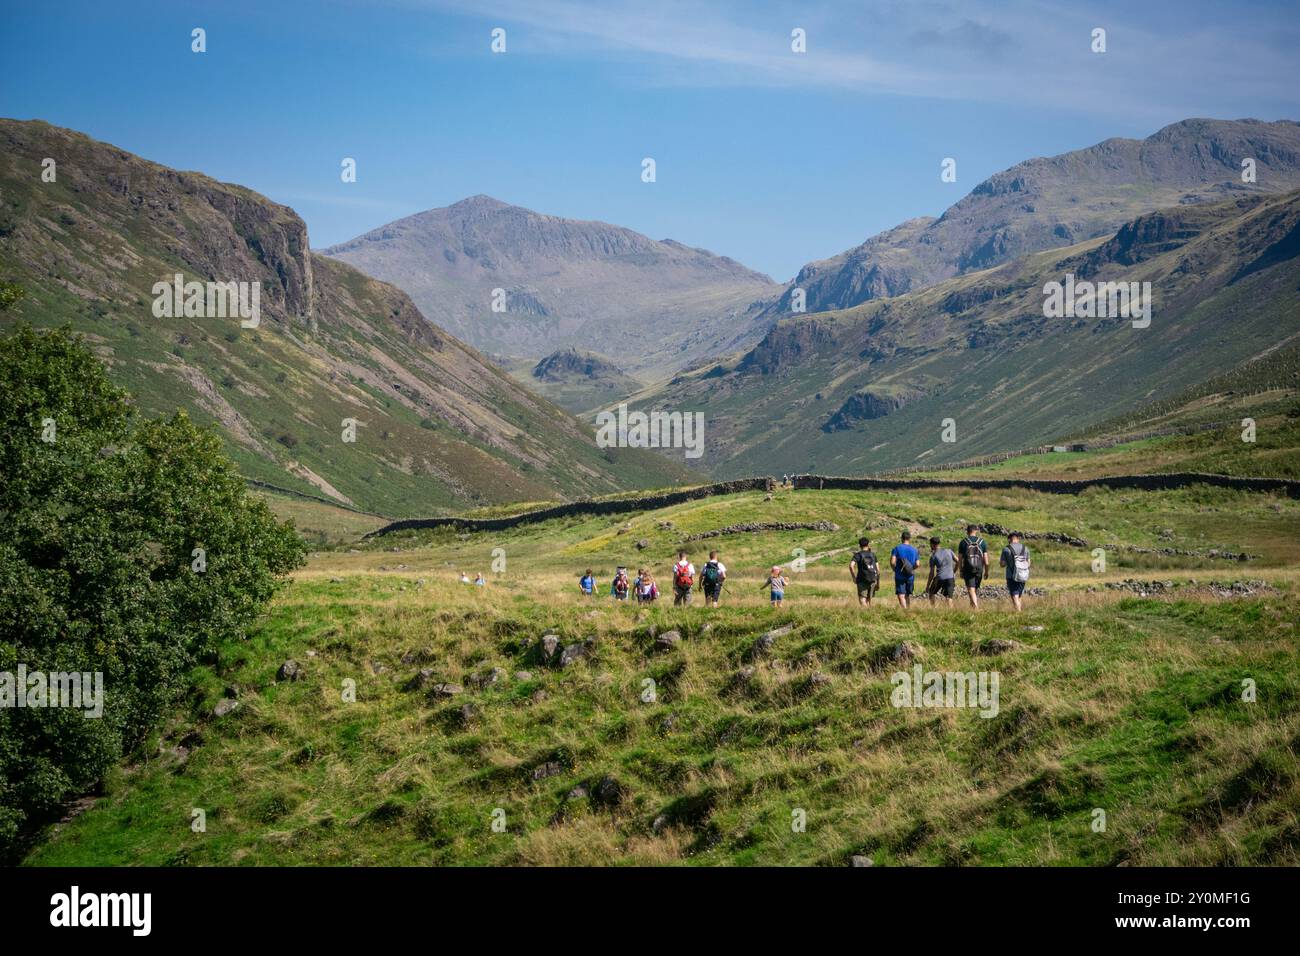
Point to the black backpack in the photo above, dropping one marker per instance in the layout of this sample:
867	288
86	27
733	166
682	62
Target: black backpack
868	567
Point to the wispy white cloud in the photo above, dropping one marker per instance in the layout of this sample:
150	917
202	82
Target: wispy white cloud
1161	60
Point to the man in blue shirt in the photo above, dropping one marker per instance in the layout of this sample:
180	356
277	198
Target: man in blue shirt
903	559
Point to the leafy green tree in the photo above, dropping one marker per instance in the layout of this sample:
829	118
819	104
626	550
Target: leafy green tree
127	547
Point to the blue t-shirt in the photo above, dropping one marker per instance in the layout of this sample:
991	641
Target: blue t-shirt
911	554
588	584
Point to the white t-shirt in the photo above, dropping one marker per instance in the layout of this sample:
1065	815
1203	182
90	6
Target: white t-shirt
690	569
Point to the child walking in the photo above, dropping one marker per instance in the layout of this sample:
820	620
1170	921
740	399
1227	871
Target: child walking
776	581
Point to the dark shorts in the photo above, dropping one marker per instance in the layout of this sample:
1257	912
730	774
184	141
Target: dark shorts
1015	588
868	589
904	585
972	580
944	586
712	592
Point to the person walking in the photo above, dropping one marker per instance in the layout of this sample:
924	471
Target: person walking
903	559
683	580
712	576
1015	558
974	563
943	572
864	569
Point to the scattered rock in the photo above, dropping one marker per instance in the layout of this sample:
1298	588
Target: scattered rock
550	768
577	793
420	680
523	675
896	654
485	678
763	644
608	793
225	706
336	580
660	822
1000	645
445	690
539	695
574	652
548	647
667	640
1035	628
668	724
290	670
753	527
642	544
467	714
861	861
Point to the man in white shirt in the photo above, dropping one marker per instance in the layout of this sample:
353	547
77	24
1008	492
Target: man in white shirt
713	574
683	579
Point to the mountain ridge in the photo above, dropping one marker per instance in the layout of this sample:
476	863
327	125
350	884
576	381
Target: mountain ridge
511	280
435	425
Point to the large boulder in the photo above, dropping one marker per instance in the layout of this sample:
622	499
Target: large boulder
290	670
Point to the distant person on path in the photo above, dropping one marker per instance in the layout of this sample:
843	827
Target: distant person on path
712	576
904	559
683	580
1015	558
776	581
943	572
865	571
479	580
587	583
464	578
974	556
647	592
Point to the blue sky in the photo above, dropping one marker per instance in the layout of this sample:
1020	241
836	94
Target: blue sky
768	156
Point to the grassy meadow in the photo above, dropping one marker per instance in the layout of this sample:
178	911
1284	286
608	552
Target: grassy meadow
1115	702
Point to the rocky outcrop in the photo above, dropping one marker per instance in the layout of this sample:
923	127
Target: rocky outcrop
867	404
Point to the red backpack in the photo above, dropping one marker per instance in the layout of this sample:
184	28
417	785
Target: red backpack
682	576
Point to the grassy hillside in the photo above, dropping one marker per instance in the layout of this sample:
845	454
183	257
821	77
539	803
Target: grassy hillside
870	388
1214	443
437	426
1126	703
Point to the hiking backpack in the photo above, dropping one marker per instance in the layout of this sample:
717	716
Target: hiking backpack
711	576
1020	562
620	584
972	556
682	576
868	567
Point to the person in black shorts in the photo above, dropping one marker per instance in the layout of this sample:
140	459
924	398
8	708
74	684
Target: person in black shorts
864	569
943	573
973	559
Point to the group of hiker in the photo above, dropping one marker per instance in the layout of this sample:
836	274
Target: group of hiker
644	590
969	561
